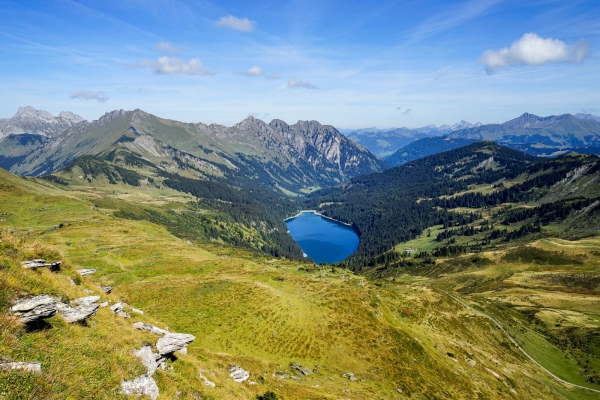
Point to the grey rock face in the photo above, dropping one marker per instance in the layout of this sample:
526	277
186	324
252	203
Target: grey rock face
86	271
23	366
172	342
36	308
142	385
150	328
238	373
29	120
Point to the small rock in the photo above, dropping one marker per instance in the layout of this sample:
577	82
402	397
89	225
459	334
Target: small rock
38	307
172	342
207	382
106	289
399	390
135	310
123	314
23	366
40	263
300	368
105	304
86	300
238	373
86	271
150	328
141	385
116	308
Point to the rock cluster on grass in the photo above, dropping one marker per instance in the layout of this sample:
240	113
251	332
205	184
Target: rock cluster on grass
40	263
34	309
85	307
350	376
238	373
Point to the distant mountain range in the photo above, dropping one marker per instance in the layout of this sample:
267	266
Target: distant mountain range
384	142
540	136
293	158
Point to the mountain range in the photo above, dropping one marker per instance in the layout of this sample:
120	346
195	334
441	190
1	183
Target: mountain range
540	136
293	158
384	142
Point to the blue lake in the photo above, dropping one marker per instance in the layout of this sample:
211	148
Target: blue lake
322	239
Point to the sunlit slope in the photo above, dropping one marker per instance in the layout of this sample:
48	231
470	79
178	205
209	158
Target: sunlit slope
264	313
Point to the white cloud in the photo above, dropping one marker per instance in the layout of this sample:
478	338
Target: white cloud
99	96
534	50
252	71
167	47
173	65
238	24
299	84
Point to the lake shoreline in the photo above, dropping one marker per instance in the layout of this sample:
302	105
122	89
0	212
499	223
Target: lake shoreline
319	214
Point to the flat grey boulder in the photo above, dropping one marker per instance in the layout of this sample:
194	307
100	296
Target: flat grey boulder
86	271
23	366
300	368
238	373
142	326
172	342
79	313
142	385
40	263
86	300
38	307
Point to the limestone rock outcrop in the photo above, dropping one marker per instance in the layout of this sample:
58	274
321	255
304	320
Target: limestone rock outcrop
171	342
24	366
85	307
40	263
36	308
86	271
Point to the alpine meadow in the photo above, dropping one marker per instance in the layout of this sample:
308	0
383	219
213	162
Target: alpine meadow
170	171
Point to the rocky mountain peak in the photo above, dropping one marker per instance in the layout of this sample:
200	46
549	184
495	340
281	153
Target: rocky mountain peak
111	116
38	122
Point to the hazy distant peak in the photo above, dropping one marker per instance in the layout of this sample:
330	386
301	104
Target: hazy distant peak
39	122
69	116
587	117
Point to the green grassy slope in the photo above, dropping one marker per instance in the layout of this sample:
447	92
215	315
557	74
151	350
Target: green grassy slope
245	309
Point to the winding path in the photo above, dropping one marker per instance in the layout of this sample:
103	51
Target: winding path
517	345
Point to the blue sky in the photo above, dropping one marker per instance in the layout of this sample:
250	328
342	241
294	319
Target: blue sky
350	64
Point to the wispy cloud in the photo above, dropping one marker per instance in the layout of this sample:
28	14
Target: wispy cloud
407	111
398	108
449	19
173	65
235	23
167	47
99	95
300	84
534	50
273	75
